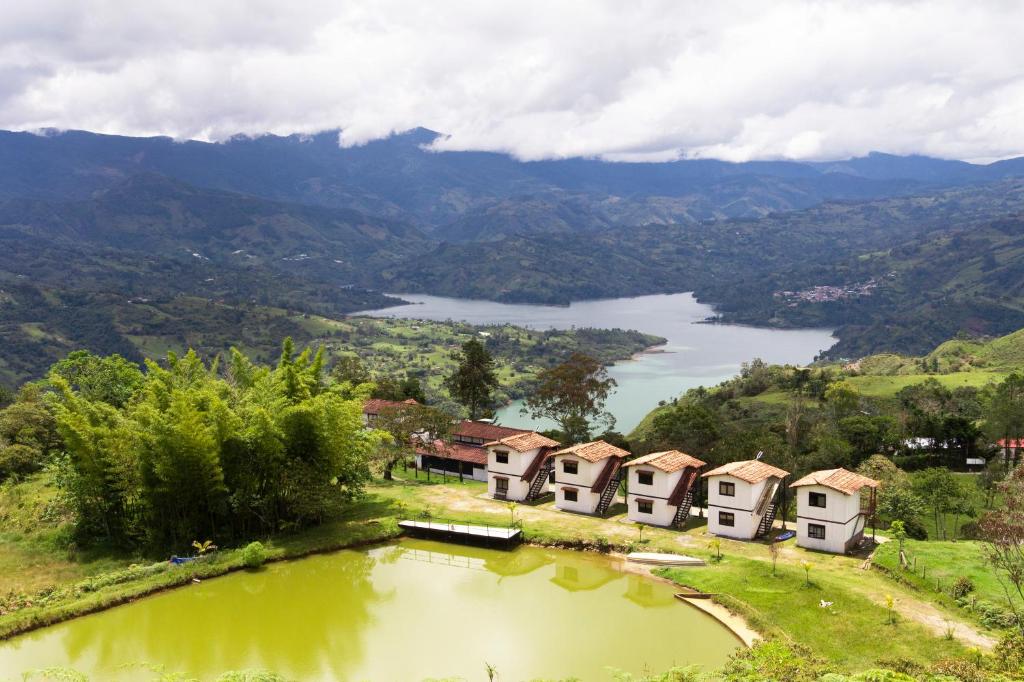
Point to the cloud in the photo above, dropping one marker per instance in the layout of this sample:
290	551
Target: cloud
644	80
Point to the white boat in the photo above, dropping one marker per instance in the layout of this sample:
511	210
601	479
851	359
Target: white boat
659	559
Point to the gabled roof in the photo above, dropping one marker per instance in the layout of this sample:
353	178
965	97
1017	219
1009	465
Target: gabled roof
750	470
523	442
668	461
594	451
375	405
485	430
456	451
838	479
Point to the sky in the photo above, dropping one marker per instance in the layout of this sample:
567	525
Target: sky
638	80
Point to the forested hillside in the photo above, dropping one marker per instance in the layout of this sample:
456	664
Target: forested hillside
111	242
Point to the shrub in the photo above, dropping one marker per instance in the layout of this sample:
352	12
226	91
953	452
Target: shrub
254	555
970	531
915	529
17	460
961	587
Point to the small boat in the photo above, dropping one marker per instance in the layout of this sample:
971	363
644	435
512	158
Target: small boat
658	559
781	537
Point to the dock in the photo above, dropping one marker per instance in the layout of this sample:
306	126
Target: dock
449	531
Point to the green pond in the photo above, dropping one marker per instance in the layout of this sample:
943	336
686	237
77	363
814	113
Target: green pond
406	611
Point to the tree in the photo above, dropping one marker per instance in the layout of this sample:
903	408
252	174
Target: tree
351	369
1004	413
941	493
110	379
473	382
1002	531
989	479
842	400
688	426
411	428
898	502
573	395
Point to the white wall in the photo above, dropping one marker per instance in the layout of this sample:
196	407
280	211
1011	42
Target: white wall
741	505
841	518
518	463
582	480
658	493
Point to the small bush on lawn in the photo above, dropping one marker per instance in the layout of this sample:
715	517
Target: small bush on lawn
961	587
254	555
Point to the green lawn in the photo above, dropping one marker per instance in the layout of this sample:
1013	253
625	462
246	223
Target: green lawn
938	564
849	632
889	386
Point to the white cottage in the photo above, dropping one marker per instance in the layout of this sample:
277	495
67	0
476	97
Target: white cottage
587	476
661	487
831	513
743	498
518	466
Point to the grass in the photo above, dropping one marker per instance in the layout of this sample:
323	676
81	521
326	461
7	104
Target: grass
888	386
847	633
778	606
938	564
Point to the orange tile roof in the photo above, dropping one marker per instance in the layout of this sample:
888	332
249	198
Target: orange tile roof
485	430
456	451
838	479
375	405
522	442
594	451
751	471
668	461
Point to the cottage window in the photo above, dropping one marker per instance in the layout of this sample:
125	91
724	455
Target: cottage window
501	457
645	477
726	519
645	506
816	531
816	500
570	466
569	494
500	485
727	489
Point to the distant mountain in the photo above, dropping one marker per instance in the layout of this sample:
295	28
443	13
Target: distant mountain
112	242
400	177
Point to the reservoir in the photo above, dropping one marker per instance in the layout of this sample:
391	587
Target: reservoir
411	610
696	354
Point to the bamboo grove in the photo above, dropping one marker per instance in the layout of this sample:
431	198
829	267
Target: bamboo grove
189	450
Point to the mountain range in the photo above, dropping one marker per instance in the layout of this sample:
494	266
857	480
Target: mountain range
92	224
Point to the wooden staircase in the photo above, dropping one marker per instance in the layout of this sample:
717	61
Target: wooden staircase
682	496
767	507
608	484
538	488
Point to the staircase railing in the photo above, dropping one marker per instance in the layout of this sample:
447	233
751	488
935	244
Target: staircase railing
767	496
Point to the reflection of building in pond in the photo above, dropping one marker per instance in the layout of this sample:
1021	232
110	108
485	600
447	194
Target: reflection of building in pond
503	563
582	575
645	592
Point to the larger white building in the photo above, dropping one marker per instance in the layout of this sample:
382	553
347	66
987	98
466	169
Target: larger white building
831	512
661	486
743	498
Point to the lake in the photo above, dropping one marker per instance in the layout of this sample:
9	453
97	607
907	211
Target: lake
407	611
695	355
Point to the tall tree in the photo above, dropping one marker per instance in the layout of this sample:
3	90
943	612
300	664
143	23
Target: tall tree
1004	416
472	383
573	394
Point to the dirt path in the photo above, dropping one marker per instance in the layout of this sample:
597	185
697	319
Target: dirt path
935	620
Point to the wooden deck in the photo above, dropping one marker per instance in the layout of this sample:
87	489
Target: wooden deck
496	536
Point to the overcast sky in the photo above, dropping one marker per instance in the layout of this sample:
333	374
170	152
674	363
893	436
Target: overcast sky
623	80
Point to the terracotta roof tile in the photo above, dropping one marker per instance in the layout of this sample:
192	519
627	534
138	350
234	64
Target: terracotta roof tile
668	461
523	442
485	430
838	479
456	451
593	451
375	405
751	471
